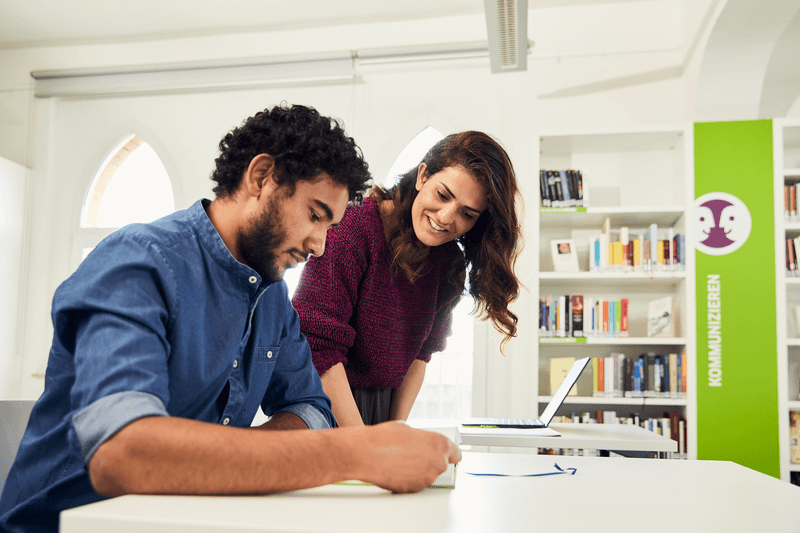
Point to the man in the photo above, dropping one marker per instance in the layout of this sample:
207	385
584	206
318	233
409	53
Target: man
170	335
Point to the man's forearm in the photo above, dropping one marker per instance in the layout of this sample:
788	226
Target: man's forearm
170	455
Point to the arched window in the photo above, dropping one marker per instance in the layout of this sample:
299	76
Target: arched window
130	185
447	389
412	154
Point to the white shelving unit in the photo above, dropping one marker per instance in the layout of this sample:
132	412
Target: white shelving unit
786	141
634	177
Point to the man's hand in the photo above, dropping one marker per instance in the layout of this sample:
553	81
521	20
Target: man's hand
399	458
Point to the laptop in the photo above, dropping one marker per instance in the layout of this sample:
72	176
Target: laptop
549	412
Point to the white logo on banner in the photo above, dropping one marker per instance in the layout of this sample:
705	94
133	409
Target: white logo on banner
722	223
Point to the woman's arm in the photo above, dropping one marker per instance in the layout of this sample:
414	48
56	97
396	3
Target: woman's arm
406	393
336	386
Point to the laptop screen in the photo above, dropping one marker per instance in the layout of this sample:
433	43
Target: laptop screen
563	390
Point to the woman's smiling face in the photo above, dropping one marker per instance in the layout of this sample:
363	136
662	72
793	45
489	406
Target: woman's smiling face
448	204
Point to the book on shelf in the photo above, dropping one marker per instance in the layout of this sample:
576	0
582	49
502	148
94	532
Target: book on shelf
559	368
562	188
619	251
580	316
791	251
566	189
649	375
576	314
674	379
651	238
794	429
671	425
660	317
794	380
791	190
565	255
543	193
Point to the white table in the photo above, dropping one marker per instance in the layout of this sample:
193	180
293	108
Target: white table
616	437
605	495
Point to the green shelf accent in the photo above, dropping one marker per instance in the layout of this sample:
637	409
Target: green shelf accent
562	340
562	209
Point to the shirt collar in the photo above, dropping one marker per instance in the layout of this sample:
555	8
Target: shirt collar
213	242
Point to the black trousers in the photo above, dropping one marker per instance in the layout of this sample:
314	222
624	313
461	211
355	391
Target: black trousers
374	404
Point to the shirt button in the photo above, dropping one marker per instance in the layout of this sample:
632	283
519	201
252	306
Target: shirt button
235	363
226	421
269	354
253	279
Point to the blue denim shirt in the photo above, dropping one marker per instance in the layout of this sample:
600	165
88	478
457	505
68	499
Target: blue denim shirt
159	320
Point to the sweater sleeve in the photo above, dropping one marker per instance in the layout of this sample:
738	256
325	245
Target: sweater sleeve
327	294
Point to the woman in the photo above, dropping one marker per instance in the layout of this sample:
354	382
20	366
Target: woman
379	301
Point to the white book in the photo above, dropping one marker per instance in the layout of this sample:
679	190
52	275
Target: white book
564	255
446	479
603	252
588	314
660	318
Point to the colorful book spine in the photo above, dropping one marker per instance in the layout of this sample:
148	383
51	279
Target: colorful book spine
576	315
673	376
623	330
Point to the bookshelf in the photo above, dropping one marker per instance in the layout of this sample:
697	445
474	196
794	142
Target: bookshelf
786	142
634	177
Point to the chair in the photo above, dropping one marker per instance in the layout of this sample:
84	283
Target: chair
14	416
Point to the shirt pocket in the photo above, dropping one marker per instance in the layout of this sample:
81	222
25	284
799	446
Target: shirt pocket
267	354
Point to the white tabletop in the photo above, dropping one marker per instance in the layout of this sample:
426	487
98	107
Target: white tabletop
605	495
622	437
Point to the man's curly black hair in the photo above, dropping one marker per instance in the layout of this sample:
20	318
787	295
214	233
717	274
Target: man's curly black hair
301	141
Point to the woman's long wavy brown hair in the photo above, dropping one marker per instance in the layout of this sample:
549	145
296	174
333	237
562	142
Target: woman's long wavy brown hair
489	250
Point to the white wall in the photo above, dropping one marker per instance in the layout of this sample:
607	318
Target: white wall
593	66
13	187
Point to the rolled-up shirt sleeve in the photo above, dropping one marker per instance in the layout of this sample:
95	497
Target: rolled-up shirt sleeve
117	327
96	423
311	415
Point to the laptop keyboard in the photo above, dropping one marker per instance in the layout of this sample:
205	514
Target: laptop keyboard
516	421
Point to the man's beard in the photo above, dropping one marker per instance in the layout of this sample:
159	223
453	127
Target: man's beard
258	243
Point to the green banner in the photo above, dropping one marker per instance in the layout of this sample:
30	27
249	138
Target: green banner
737	371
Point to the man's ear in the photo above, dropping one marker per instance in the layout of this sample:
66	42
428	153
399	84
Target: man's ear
259	177
422	175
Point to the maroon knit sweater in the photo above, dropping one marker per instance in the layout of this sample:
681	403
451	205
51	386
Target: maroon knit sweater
354	311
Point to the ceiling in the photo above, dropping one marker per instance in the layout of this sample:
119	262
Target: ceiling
36	23
29	23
